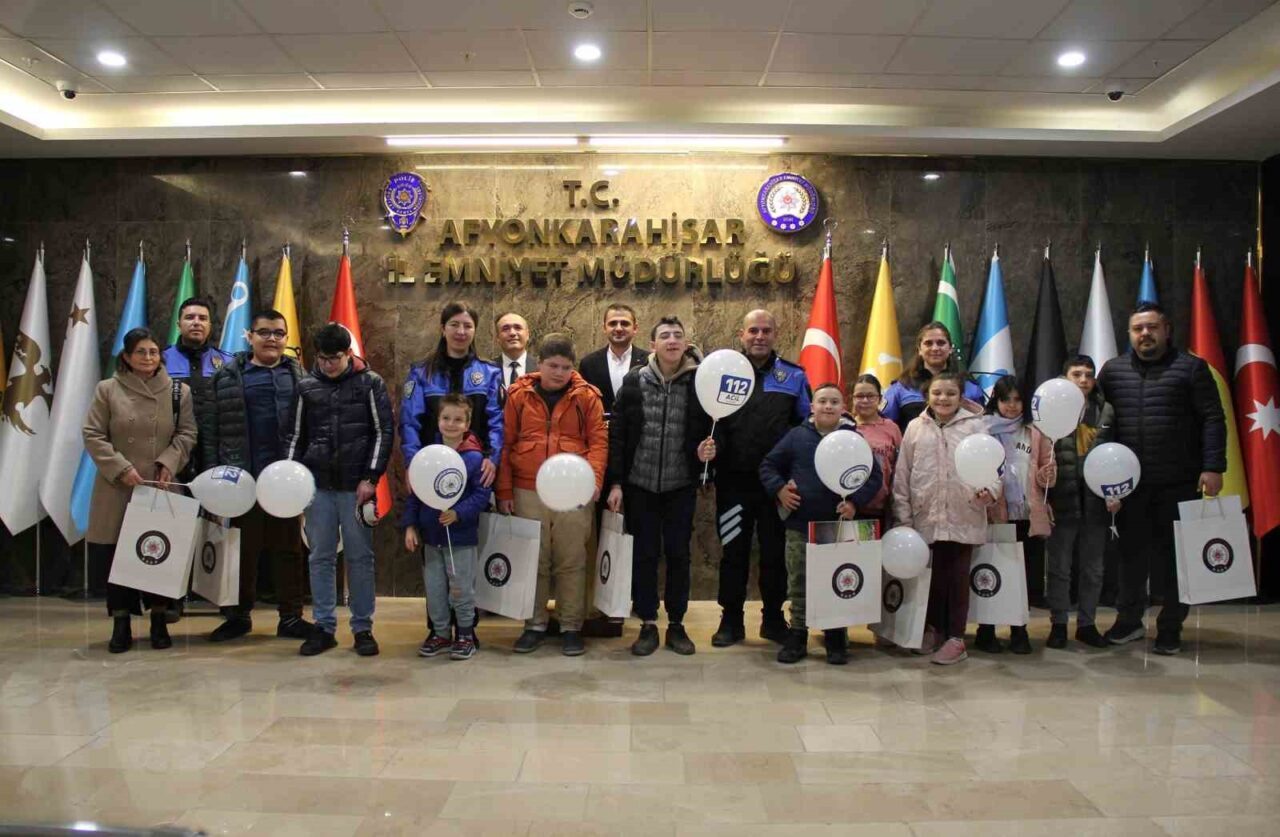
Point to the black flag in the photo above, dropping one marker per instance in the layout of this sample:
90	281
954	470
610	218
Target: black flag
1048	349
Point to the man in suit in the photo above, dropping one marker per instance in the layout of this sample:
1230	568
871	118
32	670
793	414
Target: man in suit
512	332
605	368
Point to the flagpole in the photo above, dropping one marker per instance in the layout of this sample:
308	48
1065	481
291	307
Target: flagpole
1257	539
346	241
188	251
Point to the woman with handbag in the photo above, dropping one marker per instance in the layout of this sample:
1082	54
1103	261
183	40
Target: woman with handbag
140	428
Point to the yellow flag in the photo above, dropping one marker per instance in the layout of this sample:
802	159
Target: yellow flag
1233	481
284	303
882	350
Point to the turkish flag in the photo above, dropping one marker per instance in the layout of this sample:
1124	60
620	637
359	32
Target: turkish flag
343	312
820	353
1257	388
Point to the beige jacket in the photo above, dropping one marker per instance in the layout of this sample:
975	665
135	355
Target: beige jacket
927	494
130	424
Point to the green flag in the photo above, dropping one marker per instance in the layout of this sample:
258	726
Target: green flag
946	308
186	290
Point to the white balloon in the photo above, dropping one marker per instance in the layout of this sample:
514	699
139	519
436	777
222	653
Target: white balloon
225	490
1112	471
843	460
903	552
724	381
438	476
285	488
565	482
978	460
1056	408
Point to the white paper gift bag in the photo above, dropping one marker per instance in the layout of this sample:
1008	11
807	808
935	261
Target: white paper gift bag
215	573
613	567
904	603
1214	560
154	550
842	584
507	576
998	580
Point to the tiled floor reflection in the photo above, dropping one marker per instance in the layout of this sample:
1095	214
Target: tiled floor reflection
250	738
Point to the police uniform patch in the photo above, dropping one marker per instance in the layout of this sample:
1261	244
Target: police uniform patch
408	388
779	375
477	377
216	361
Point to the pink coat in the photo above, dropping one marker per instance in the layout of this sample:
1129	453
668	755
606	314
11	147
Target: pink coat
1041	515
927	494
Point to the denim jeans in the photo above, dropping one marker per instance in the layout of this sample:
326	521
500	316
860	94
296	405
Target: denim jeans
329	512
450	585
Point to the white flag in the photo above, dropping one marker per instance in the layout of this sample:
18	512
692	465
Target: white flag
24	423
78	374
1098	340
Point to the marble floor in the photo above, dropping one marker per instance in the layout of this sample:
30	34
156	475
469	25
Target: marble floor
250	738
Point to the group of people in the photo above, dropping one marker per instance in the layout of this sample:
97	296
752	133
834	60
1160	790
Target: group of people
634	416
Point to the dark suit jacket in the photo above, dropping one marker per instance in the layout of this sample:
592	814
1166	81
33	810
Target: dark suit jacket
595	368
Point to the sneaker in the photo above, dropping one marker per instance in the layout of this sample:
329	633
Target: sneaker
1122	632
365	644
1167	643
1058	637
796	648
647	642
1088	634
1019	640
293	627
529	641
318	642
951	652
986	640
837	645
932	639
775	630
571	644
678	640
121	636
234	628
463	647
433	645
731	631
160	638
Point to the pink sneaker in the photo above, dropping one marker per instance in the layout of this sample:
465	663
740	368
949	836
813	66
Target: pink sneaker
951	652
930	643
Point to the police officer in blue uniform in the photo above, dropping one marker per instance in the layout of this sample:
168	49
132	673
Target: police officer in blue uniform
193	360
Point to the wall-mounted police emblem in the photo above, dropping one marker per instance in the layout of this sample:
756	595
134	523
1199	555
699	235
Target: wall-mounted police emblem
893	596
733	390
1218	555
497	570
846	581
208	557
853	478
449	483
405	198
606	566
477	377
1119	489
984	580
787	202
152	547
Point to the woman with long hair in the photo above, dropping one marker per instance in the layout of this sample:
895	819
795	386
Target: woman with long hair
935	354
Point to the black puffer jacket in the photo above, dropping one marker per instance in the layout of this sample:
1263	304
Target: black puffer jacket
228	444
1168	411
627	423
1070	498
341	428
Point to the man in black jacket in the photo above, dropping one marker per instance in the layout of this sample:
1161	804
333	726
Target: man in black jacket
253	402
341	430
1168	411
605	368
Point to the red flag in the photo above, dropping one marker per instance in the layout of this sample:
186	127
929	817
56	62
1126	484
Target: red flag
343	312
820	352
1257	388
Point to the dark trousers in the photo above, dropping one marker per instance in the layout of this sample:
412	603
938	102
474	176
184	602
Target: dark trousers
277	541
121	600
1146	551
662	525
948	610
742	506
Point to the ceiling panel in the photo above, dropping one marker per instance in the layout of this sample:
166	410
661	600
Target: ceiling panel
26	56
711	50
159	84
717	15
368	81
798	53
510	78
855	17
1036	84
1040	58
475	50
1095	20
307	17
414	15
144	57
184	17
60	19
813	80
348	53
270	81
1217	17
593	78
694	78
962	56
1158	59
553	50
988	18
246	54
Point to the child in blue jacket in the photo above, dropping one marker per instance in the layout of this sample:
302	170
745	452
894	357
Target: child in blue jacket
788	472
450	580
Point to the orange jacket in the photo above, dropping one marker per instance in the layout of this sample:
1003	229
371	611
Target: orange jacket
530	435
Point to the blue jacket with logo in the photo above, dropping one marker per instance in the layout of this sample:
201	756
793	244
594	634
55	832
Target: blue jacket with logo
792	459
779	402
481	385
474	500
903	403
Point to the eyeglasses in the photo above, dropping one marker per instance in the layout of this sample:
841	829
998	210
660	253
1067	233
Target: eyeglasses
271	334
865	396
329	358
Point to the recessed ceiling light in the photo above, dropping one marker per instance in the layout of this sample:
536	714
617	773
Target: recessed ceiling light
1071	58
586	52
611	172
111	58
931	175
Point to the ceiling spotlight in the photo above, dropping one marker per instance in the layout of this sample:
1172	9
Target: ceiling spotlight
297	174
1071	58
586	52
931	176
111	58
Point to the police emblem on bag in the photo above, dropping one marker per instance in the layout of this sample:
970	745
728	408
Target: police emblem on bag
846	581
152	548
449	483
208	557
893	595
497	570
984	581
606	567
1218	556
733	390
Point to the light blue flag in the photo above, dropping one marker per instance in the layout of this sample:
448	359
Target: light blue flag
1147	286
236	322
993	344
133	315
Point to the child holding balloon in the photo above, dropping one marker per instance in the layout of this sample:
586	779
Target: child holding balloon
790	473
929	496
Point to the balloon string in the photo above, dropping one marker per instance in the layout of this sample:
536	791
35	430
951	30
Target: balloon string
1115	533
707	465
449	540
